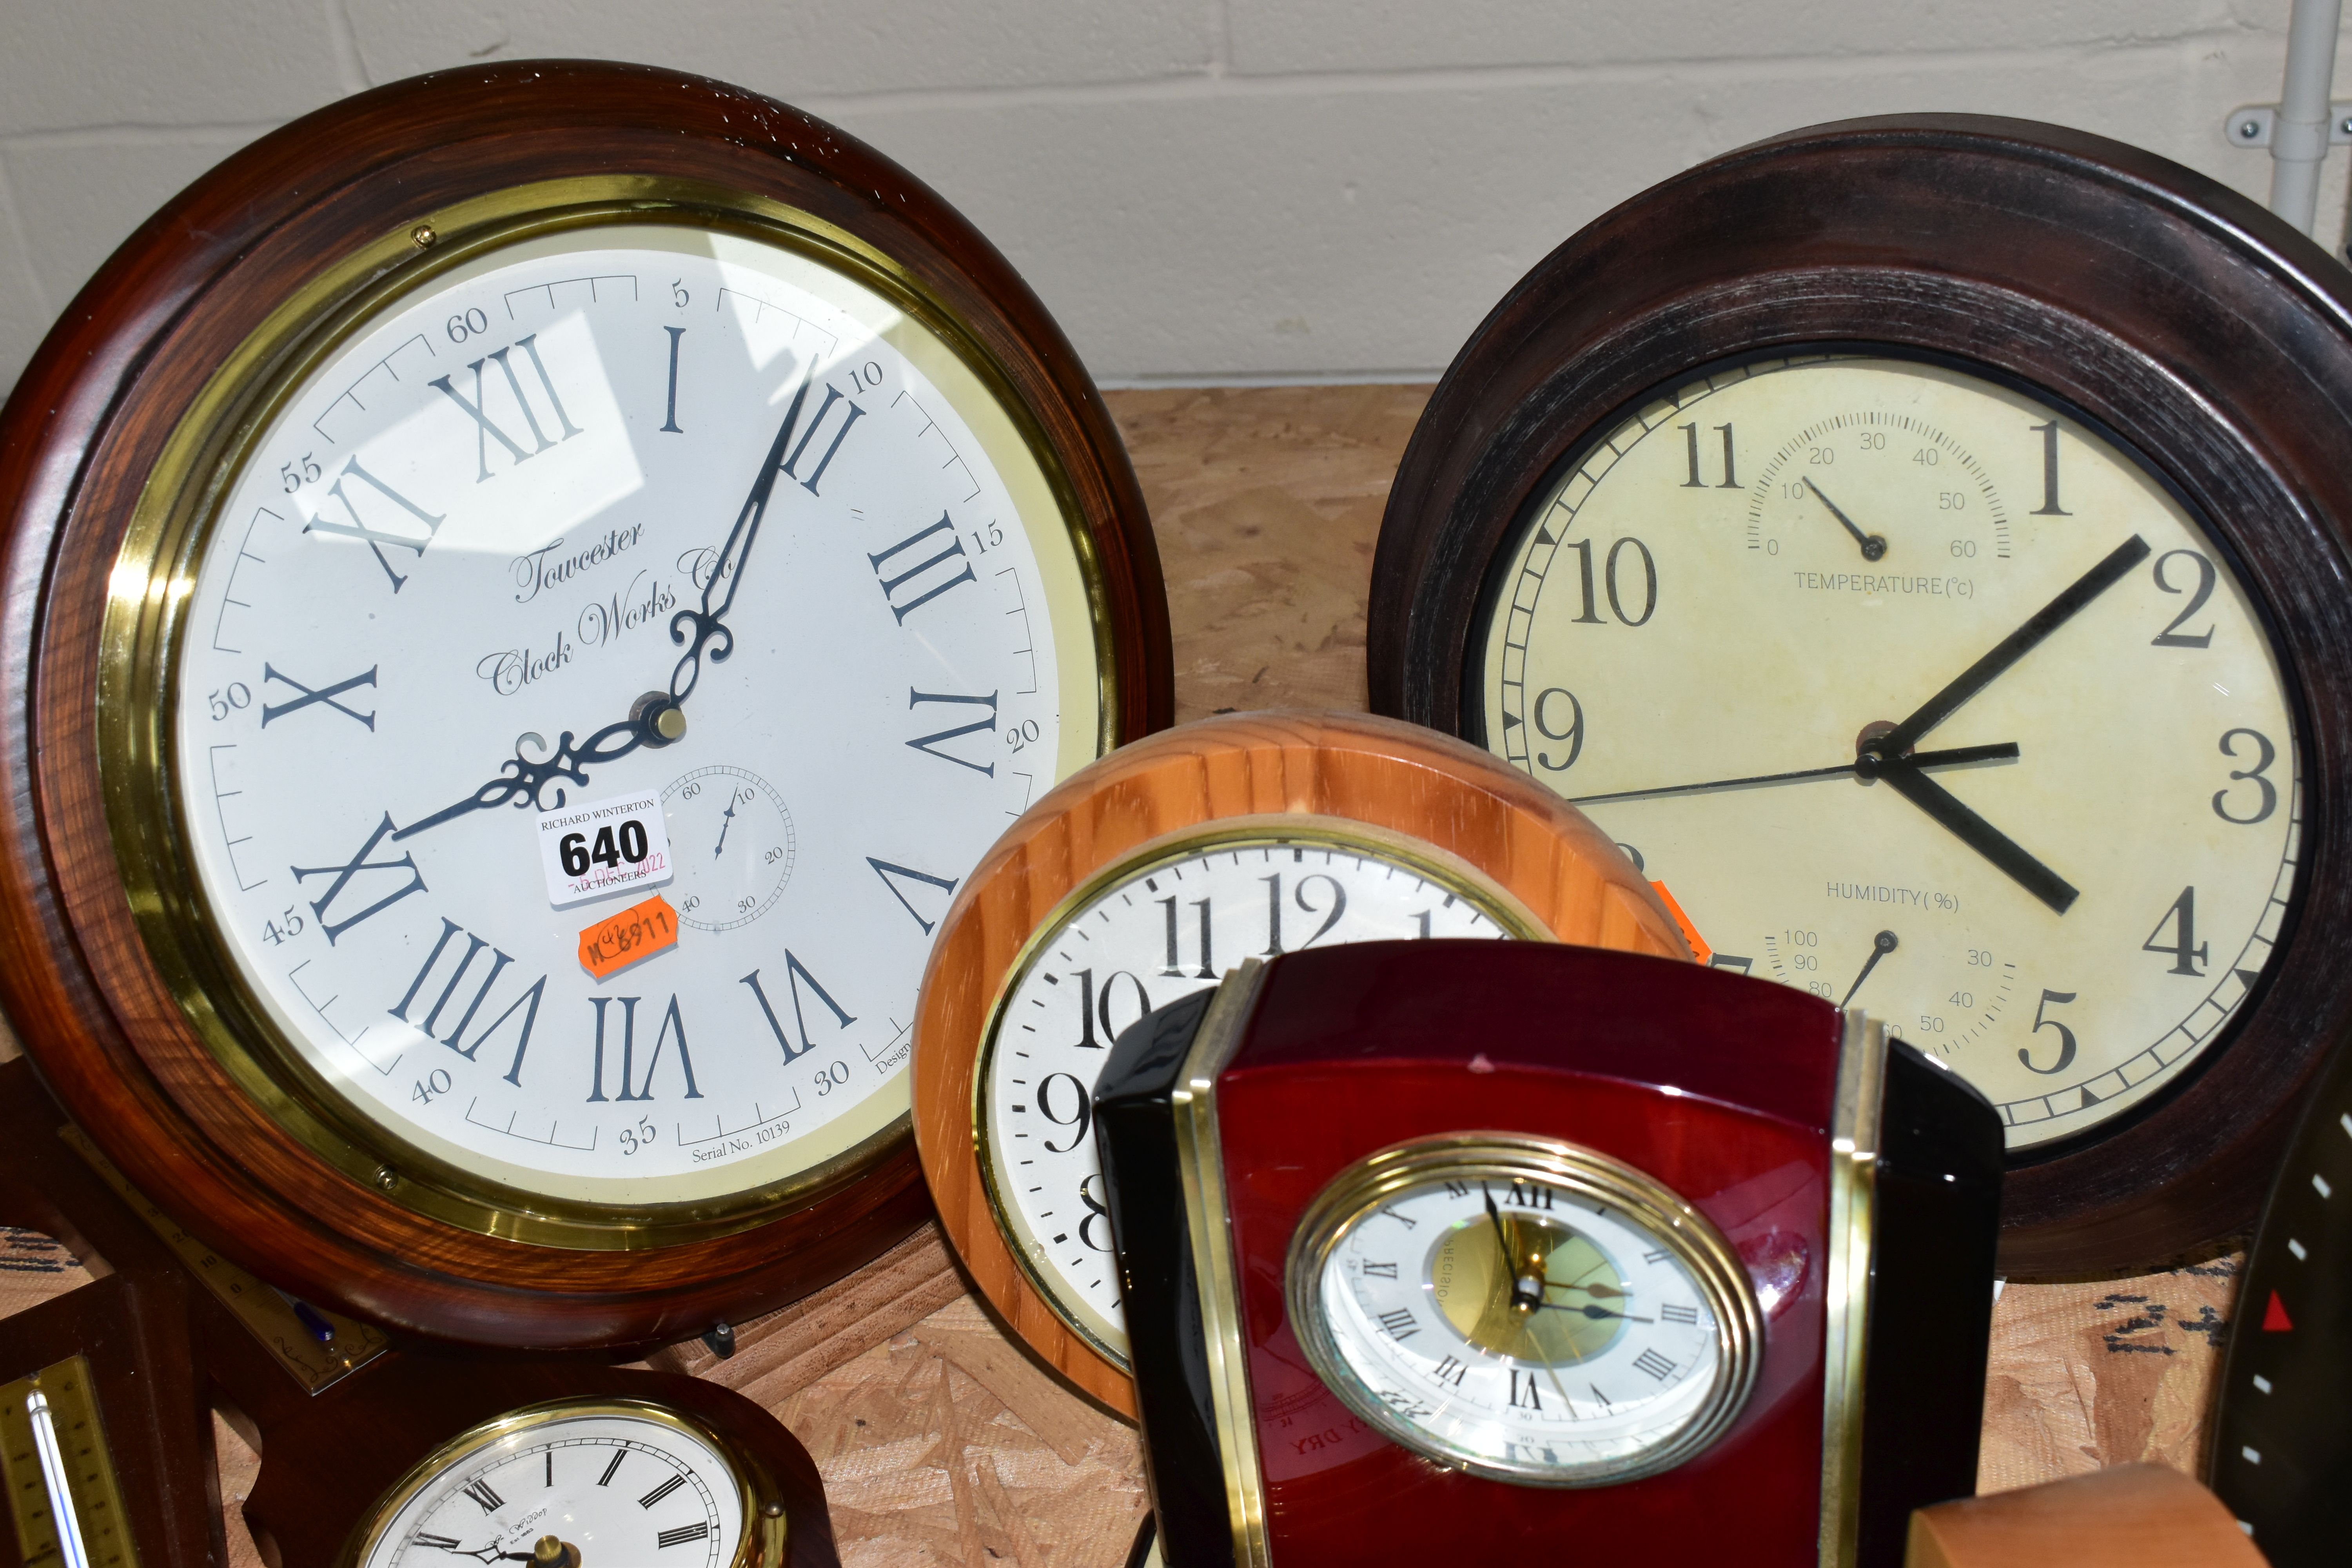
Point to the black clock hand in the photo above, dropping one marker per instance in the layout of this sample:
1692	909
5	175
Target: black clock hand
2117	566
1975	832
1503	1240
1880	945
1598	1314
1874	546
2004	751
725	823
656	719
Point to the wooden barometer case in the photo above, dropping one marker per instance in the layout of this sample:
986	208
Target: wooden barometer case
530	589
1147	876
1922	542
354	1433
1442	1248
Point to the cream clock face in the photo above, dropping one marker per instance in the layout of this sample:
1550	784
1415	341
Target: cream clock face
1520	1327
1920	695
1157	929
619	1487
630	513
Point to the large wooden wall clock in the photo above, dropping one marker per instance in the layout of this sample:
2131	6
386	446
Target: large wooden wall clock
1923	542
1149	876
531	590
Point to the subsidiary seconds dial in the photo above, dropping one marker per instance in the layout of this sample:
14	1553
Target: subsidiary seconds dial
750	834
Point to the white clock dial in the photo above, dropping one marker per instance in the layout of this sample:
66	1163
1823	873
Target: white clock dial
619	1487
2072	871
1170	922
1521	1324
492	554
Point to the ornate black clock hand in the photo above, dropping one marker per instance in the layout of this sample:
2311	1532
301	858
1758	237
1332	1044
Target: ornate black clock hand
657	719
1977	833
725	821
1880	945
1957	756
1503	1240
2113	569
1873	545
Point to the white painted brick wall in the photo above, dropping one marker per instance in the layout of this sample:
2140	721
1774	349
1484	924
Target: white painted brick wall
1201	189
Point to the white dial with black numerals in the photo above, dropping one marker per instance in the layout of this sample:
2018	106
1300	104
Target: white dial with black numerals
1921	694
616	1485
627	511
1170	922
1521	1325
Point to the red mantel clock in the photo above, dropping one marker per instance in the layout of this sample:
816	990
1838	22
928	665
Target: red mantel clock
1431	1250
531	588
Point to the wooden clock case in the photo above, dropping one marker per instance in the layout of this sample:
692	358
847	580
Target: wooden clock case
2203	333
1349	774
78	441
166	1349
1872	1257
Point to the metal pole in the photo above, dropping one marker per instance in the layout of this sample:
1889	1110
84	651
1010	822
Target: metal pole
2299	143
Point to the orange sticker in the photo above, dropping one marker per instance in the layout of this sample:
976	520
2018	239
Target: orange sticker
636	932
1699	950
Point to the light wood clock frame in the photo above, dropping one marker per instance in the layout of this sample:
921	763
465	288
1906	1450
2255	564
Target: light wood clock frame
1395	789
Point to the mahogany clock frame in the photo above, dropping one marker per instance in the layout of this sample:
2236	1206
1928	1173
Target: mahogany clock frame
78	440
2201	332
1346	773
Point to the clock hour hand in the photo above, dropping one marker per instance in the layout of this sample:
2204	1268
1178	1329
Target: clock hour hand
1873	545
1972	830
1957	756
2114	568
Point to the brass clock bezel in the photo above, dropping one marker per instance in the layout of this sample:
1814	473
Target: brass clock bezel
1356	1193
146	618
756	1547
1456	875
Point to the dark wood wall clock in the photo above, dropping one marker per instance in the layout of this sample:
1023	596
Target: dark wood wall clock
1150	875
530	589
1923	541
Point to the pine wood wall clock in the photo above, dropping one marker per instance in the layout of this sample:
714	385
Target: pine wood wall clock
1147	877
1923	542
531	588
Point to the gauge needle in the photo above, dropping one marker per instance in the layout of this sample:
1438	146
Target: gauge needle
1957	756
1880	945
726	822
1874	546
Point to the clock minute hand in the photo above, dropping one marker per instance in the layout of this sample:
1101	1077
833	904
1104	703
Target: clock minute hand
706	625
656	719
2117	566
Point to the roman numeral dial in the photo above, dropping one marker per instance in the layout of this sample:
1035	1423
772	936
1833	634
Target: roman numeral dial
672	538
1574	1322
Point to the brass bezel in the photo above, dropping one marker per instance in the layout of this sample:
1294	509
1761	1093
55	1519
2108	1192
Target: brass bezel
750	1479
1356	1193
1465	881
146	618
